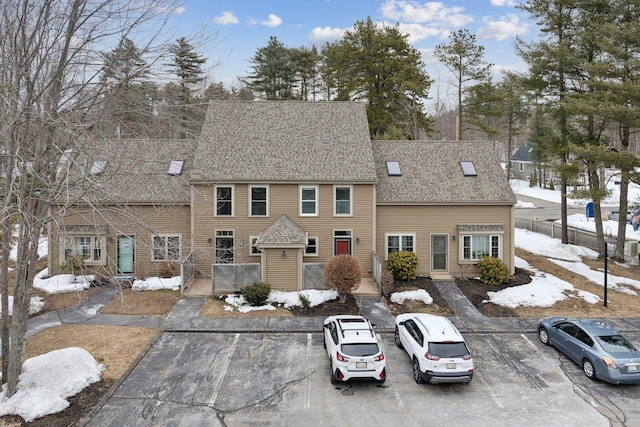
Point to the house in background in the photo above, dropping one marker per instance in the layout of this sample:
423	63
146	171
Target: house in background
272	190
523	166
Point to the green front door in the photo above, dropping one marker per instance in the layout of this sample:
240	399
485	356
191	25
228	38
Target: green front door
125	254
439	252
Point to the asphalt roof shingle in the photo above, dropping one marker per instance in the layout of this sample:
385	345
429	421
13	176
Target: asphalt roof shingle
431	173
290	141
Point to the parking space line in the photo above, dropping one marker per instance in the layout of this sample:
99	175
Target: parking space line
307	388
393	384
229	352
524	337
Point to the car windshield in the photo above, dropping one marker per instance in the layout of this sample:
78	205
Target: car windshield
448	349
360	349
615	344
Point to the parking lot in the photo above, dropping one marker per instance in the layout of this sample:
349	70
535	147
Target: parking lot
230	379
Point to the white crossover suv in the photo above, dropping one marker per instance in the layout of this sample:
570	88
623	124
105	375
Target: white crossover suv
354	349
436	348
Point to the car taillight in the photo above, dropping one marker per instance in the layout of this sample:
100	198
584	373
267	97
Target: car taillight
431	356
608	361
467	357
379	357
341	358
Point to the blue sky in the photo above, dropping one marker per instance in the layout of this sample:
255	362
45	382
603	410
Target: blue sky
242	26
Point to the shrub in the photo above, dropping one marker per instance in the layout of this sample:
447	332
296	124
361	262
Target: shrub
551	186
304	300
493	271
73	264
343	273
403	265
256	294
387	283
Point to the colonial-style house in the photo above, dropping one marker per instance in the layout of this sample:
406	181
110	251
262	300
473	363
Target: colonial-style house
271	190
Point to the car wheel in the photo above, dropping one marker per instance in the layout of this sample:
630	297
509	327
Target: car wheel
332	375
543	335
417	375
397	338
588	369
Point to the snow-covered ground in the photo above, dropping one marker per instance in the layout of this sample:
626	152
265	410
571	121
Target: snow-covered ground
47	380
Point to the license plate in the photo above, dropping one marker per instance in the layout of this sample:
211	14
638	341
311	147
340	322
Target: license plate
361	365
632	368
451	366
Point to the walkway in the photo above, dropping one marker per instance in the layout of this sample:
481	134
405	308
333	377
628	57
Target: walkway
185	316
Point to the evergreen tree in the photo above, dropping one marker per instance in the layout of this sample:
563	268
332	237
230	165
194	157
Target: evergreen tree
128	93
274	72
306	62
465	59
378	65
187	65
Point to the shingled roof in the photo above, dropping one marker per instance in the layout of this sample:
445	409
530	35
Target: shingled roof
290	141
136	171
431	173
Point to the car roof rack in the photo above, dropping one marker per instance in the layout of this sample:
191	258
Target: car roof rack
356	330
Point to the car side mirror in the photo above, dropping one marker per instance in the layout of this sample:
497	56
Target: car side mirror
402	323
326	326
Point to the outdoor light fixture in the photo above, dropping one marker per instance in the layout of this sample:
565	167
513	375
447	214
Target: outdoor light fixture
358	240
453	238
284	253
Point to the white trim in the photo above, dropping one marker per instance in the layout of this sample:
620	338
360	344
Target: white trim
335	200
252	240
166	236
317	253
472	259
317	199
266	187
67	241
400	247
215	199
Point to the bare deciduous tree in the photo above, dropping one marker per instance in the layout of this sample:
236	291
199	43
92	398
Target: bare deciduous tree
50	91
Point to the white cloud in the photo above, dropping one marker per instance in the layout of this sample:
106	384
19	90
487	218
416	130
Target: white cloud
418	32
434	13
226	18
273	21
503	28
509	3
325	34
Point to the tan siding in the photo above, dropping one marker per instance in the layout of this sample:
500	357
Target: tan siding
149	220
283	199
427	220
282	271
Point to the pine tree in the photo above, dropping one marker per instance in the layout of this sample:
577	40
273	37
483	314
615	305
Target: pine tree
274	73
465	59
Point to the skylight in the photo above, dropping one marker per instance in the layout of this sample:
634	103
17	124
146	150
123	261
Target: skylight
393	168
468	169
175	167
98	167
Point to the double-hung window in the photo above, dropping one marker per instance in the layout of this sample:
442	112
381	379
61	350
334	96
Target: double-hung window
342	200
308	200
312	246
259	200
166	248
254	250
400	242
224	200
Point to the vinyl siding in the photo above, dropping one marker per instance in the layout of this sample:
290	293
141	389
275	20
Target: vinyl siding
149	220
424	221
283	199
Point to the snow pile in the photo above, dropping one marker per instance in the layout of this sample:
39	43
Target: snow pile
61	283
48	380
420	295
157	283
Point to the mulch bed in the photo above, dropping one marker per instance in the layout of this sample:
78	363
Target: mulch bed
476	293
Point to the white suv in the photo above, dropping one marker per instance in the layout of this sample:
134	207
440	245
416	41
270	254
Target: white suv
436	348
353	348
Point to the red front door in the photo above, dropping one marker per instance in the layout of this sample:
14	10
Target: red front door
343	246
